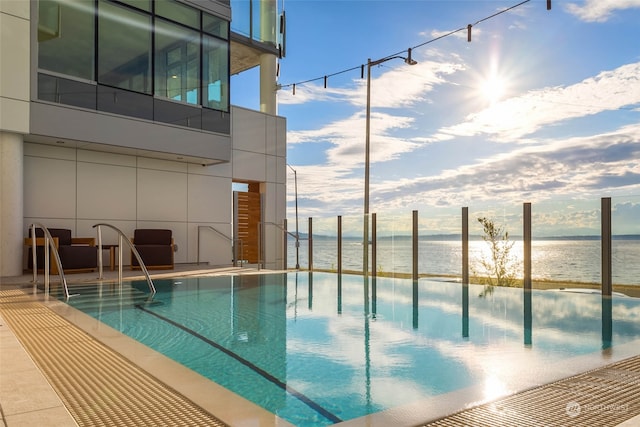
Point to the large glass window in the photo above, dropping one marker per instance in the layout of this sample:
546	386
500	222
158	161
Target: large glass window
158	60
178	12
215	26
215	74
66	37
124	47
177	62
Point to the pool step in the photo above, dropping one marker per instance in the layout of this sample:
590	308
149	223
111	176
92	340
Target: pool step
109	298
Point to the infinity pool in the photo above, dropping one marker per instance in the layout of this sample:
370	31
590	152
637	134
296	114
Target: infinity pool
317	349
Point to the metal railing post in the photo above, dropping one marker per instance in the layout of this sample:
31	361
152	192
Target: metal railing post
310	237
339	244
605	215
414	274
121	239
374	246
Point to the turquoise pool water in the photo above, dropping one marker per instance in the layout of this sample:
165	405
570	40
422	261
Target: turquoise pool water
317	349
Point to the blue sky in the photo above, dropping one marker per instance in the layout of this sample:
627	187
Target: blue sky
542	107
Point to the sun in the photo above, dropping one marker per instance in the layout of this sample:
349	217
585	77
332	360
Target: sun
493	88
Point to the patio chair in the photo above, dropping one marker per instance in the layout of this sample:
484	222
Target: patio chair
77	254
155	247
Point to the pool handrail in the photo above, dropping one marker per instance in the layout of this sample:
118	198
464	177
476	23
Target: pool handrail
234	250
121	239
48	243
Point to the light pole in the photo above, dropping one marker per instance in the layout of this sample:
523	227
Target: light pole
365	242
295	183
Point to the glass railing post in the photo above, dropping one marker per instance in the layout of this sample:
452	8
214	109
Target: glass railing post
605	217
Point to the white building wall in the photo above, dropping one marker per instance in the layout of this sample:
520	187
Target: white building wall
259	154
77	188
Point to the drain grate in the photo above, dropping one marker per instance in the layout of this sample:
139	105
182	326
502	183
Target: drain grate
604	397
97	385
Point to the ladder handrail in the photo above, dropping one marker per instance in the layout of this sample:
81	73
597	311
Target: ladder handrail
121	238
48	245
229	239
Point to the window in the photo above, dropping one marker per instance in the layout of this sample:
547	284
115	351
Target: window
215	26
215	74
124	48
178	12
65	37
177	62
118	57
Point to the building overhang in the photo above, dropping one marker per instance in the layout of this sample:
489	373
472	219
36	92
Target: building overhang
245	52
91	130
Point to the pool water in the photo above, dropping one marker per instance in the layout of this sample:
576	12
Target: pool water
318	348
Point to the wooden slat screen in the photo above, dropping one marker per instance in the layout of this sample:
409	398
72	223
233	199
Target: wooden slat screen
248	220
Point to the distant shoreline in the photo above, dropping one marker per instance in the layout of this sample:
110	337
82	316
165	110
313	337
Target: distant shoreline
629	290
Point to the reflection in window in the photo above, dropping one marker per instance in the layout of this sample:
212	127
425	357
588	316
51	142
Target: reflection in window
65	37
215	74
177	62
178	12
215	26
124	48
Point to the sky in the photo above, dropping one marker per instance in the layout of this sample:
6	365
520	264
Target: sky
542	106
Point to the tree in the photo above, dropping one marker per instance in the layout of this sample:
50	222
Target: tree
500	265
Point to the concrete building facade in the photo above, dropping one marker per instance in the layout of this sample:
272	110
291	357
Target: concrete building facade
118	112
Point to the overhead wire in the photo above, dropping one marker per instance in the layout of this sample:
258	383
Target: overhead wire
468	28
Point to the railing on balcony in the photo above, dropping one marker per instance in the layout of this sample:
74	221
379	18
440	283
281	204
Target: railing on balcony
258	20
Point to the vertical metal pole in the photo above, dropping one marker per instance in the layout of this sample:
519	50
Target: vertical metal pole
606	246
47	242
365	239
465	246
100	263
295	181
310	244
526	237
374	260
374	245
526	234
465	272
120	259
414	274
339	244
285	243
34	258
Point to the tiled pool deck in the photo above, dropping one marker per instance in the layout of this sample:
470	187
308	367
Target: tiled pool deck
42	384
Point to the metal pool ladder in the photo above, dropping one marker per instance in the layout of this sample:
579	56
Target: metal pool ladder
121	239
48	245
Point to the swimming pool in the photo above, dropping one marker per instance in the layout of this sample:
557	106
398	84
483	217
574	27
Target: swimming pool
317	348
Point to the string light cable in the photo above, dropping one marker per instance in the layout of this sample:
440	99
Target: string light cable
408	51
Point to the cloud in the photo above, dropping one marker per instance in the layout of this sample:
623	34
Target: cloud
583	166
517	117
395	86
598	10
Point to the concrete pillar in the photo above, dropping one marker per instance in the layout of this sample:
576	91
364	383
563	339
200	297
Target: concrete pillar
268	66
11	204
268	63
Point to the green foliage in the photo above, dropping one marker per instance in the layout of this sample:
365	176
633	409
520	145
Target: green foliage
500	265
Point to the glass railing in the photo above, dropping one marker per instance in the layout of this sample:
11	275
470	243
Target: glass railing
566	244
255	19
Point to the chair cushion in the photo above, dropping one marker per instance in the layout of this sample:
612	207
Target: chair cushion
151	236
154	255
75	257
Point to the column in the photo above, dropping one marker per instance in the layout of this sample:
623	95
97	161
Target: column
11	204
